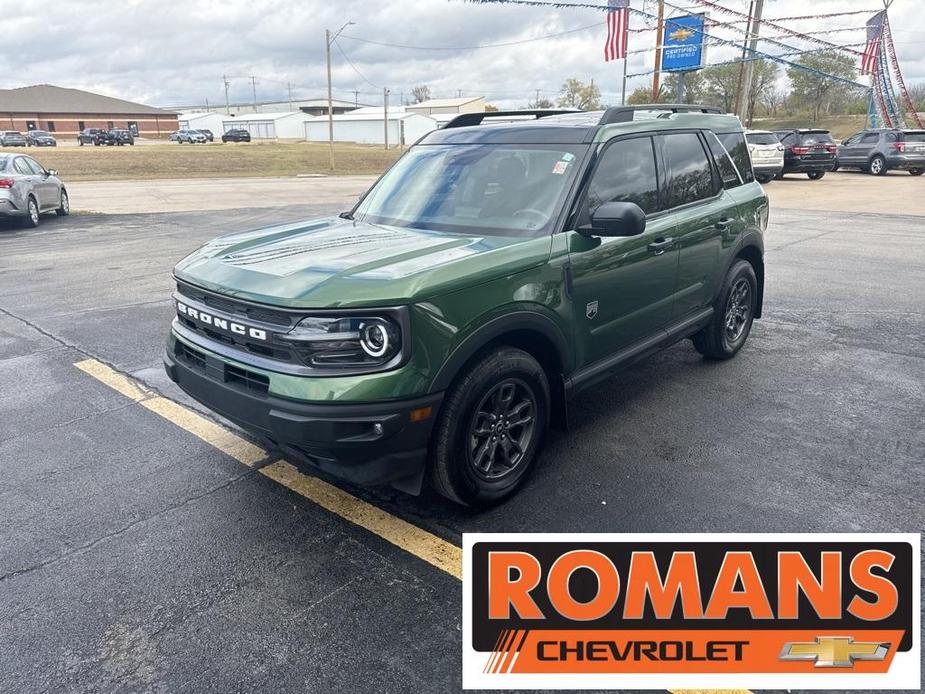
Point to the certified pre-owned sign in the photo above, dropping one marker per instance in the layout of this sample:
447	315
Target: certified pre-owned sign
833	611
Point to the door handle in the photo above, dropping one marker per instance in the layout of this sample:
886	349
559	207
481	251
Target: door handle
660	245
724	224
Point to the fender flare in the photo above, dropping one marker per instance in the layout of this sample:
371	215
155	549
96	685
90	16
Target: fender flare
491	330
751	240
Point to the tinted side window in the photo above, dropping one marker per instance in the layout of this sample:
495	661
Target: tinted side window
737	147
727	170
626	173
690	173
870	137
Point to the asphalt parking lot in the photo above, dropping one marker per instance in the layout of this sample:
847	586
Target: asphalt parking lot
135	556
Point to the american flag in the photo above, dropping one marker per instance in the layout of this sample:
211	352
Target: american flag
618	23
872	51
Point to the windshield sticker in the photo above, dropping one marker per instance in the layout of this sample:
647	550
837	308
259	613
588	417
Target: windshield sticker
560	167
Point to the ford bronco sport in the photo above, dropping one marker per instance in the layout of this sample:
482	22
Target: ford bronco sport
437	329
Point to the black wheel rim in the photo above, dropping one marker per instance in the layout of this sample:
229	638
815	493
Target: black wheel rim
738	310
502	429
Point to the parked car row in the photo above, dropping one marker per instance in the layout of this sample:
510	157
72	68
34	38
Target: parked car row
98	137
813	151
201	136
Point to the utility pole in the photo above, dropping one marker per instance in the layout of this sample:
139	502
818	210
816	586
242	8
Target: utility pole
356	98
750	64
385	113
737	106
328	40
659	40
289	89
254	87
227	106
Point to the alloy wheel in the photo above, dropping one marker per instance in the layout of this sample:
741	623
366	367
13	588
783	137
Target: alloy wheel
33	212
738	310
502	428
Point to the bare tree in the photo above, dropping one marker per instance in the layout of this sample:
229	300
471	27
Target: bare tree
542	102
420	93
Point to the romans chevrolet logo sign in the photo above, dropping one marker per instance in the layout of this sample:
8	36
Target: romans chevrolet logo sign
221	323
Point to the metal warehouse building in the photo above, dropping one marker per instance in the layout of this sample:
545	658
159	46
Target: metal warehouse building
269	126
367	126
66	112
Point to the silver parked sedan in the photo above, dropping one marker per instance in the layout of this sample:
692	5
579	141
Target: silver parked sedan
27	189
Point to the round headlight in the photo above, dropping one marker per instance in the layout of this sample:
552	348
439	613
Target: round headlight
375	339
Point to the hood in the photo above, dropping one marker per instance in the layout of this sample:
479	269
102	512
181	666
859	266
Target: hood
336	262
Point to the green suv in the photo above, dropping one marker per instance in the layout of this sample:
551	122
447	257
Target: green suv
438	329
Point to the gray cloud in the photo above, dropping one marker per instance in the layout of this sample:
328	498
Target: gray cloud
166	52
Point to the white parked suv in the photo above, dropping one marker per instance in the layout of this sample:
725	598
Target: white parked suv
767	154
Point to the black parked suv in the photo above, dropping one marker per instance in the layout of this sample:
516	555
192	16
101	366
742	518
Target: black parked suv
92	136
236	135
807	150
120	136
878	151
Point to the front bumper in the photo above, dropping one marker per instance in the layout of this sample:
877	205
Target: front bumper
364	443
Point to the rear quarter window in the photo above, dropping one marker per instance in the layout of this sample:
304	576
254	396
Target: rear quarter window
737	147
918	136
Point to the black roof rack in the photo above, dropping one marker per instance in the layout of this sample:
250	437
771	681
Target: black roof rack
624	114
466	119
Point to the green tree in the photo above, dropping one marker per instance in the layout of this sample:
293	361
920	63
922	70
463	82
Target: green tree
719	85
693	86
577	94
643	95
819	92
764	81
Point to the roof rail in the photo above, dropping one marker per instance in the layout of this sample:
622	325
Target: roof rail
624	114
466	119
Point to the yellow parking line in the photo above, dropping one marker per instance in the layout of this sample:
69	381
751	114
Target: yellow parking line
438	552
424	545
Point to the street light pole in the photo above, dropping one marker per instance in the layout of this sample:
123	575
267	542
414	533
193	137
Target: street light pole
328	40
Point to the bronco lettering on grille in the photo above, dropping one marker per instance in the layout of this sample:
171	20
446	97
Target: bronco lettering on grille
221	323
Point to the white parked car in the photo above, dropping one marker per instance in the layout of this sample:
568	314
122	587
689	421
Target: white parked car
767	154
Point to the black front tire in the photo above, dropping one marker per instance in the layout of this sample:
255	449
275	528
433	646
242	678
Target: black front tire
65	208
815	175
877	166
463	428
733	314
32	214
916	172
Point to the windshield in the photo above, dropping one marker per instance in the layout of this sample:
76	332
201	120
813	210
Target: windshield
762	138
495	189
39	133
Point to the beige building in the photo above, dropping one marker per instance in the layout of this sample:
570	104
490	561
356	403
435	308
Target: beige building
464	104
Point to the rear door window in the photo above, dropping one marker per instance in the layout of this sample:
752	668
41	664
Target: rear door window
626	172
737	147
690	177
870	138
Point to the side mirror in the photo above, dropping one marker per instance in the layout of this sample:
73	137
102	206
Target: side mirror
616	219
52	172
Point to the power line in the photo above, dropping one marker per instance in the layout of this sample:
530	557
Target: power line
473	48
355	69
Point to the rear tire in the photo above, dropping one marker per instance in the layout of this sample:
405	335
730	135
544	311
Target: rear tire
815	175
877	166
733	314
491	428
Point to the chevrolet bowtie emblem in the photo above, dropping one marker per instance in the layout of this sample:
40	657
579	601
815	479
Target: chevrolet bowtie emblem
834	651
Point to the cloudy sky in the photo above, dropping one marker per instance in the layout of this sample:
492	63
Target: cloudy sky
165	52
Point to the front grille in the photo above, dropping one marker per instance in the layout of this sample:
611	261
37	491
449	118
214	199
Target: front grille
217	370
241	309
